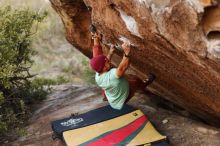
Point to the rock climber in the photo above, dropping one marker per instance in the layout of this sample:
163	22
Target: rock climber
117	88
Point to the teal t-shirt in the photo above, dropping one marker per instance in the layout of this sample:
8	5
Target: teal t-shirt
116	89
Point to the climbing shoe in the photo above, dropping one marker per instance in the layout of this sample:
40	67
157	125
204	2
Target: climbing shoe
104	99
150	79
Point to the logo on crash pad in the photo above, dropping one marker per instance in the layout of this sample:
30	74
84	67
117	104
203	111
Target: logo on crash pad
71	122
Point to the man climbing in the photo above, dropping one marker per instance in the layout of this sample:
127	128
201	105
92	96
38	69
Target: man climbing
117	88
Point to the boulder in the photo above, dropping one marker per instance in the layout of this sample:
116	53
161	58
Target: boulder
178	41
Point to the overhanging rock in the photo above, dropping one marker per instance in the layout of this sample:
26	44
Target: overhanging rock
177	40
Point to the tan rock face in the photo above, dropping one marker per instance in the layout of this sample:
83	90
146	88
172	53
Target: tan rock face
168	39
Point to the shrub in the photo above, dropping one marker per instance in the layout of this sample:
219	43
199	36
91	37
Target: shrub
16	89
88	73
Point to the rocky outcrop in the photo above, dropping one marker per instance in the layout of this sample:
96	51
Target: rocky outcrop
177	40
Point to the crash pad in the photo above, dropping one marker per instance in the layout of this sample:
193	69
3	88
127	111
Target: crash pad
106	126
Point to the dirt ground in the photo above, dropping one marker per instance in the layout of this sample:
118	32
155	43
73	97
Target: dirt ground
68	99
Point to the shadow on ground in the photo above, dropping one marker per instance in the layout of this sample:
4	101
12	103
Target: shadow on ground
69	99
